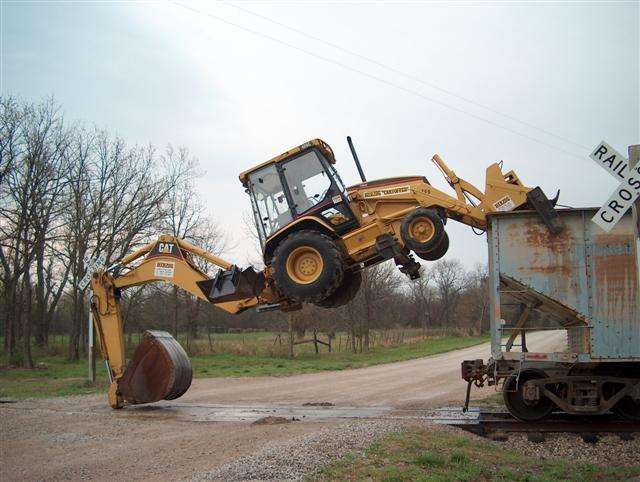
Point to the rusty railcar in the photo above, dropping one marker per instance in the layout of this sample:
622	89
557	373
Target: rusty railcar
582	280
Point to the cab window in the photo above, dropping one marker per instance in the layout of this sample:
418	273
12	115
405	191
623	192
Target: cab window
307	180
269	201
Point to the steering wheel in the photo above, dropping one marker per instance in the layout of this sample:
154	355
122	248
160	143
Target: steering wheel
317	198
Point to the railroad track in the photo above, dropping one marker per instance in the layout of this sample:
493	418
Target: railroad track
497	425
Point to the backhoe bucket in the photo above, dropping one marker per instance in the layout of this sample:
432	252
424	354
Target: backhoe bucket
160	369
233	284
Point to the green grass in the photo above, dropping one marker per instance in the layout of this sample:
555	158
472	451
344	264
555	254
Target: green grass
58	377
231	365
54	376
493	401
419	454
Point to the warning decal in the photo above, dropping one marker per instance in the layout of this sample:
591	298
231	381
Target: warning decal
164	269
504	204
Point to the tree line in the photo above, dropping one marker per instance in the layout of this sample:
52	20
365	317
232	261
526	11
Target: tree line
70	192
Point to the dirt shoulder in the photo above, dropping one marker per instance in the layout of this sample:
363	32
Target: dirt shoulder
75	438
422	382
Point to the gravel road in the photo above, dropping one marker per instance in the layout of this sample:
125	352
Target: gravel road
76	438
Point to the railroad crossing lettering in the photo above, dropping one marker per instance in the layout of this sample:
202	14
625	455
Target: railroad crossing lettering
627	192
611	160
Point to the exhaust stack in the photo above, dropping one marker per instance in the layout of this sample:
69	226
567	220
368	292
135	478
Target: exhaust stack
355	159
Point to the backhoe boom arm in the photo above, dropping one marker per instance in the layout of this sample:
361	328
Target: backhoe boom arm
167	259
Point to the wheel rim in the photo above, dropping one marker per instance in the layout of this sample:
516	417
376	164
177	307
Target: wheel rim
304	265
422	229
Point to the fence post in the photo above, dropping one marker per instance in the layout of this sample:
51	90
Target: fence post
290	335
90	353
315	340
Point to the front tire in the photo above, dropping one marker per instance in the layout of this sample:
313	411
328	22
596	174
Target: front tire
422	230
438	252
307	266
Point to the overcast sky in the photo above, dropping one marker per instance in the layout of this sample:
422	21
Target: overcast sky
238	89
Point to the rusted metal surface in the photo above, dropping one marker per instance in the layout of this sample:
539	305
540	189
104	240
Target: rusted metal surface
584	278
160	369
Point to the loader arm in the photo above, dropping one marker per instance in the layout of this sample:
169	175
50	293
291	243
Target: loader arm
461	186
158	368
503	192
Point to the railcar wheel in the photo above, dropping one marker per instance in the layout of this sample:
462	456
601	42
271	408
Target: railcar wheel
422	230
518	406
628	408
307	266
345	292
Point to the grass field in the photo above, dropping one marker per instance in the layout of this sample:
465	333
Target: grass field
234	355
424	455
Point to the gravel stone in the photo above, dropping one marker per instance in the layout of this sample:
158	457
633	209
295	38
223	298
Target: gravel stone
72	437
303	456
609	450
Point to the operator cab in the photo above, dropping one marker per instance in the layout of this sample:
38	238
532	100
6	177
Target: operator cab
299	183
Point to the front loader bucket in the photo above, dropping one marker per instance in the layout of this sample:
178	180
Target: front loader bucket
233	284
160	369
544	206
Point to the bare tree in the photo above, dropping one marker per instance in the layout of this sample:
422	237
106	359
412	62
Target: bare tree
371	304
254	257
32	181
119	197
422	299
475	299
11	142
449	279
186	218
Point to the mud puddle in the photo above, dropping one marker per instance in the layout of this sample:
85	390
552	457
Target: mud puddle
249	413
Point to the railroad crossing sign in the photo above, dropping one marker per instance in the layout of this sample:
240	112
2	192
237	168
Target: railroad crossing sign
625	194
91	265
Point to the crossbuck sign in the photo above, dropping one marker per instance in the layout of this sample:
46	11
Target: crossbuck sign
627	192
91	265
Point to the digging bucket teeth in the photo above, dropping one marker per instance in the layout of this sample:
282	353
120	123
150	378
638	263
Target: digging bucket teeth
233	284
159	370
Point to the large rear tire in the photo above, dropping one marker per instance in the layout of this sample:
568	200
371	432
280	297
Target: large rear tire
307	266
345	292
525	410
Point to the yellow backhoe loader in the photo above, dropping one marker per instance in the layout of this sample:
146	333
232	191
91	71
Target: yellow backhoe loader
317	236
